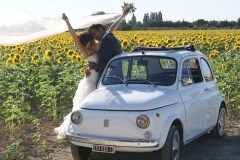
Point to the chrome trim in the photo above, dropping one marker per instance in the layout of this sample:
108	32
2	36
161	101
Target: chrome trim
113	142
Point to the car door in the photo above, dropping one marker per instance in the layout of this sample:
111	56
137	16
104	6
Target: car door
211	93
191	89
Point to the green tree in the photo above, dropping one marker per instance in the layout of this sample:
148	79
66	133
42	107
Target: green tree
124	26
133	21
238	22
146	20
201	23
98	13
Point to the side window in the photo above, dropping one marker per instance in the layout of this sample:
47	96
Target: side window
168	63
207	74
191	72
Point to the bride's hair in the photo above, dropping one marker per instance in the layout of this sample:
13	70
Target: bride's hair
85	37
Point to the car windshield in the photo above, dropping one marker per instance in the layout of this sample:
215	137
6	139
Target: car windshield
153	70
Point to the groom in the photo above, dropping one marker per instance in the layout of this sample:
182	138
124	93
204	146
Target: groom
109	47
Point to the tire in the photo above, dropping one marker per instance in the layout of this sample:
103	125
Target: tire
172	147
219	129
80	153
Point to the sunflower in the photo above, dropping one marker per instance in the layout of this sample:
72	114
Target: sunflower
60	60
238	39
19	48
169	41
85	62
180	40
79	59
149	45
17	56
36	57
8	61
193	39
135	37
159	44
82	71
23	50
59	51
15	60
140	41
224	66
74	57
211	55
3	47
125	44
204	39
237	48
12	55
226	47
185	43
48	54
215	51
66	49
70	53
38	48
31	52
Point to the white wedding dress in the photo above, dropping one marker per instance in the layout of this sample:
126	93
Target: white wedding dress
85	87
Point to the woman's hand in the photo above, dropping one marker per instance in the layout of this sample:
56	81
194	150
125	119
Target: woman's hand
64	17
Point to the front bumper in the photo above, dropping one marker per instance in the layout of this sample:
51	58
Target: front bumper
113	142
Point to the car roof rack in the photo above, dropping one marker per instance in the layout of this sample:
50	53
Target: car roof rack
189	47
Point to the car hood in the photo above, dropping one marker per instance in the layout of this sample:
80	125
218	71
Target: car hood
127	98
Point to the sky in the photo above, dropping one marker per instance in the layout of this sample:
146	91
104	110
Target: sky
174	10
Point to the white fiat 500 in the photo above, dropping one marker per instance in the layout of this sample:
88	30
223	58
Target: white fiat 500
152	99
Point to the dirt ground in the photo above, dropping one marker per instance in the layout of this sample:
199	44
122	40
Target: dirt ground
203	148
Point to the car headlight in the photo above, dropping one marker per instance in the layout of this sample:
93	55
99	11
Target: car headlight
76	117
142	121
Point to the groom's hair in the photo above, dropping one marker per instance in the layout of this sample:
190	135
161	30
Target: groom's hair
85	37
96	27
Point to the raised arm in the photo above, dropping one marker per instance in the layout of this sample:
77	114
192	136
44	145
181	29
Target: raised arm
115	25
72	32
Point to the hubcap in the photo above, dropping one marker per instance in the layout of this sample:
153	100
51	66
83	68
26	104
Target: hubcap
221	121
175	146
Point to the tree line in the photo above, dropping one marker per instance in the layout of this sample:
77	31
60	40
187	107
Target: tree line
154	20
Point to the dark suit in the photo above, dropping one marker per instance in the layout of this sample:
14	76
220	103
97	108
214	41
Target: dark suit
109	48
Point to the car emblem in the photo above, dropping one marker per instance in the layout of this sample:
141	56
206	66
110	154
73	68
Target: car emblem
106	123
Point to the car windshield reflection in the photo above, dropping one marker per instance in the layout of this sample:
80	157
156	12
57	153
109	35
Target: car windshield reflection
153	70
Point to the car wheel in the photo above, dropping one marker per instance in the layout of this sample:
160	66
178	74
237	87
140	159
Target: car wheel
219	129
172	147
80	153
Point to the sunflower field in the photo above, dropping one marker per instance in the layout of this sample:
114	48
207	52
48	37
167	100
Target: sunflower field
41	77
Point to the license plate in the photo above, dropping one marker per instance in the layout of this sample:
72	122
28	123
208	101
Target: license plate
102	148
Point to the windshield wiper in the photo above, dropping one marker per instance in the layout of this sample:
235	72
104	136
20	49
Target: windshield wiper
150	82
116	77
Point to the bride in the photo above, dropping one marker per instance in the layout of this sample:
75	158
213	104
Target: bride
89	48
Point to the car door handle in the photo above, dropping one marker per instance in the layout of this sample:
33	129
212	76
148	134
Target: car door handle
206	89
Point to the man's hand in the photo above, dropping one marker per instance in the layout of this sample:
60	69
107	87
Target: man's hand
91	66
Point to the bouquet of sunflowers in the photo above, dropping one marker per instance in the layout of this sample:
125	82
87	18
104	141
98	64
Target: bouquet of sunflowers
128	7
